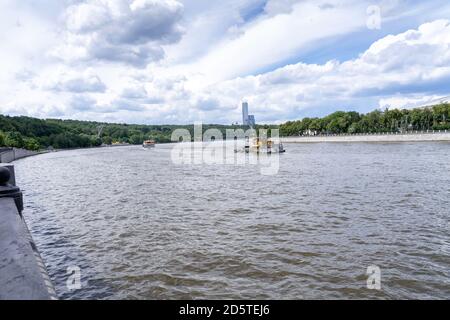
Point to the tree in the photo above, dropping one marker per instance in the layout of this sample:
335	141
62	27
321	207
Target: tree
315	125
354	128
31	144
107	140
136	139
2	139
14	139
95	141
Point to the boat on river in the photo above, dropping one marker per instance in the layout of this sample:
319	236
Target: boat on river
265	146
148	144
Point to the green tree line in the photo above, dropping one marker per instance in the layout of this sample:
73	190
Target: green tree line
36	134
395	120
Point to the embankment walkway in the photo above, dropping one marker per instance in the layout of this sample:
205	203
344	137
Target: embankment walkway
377	137
23	275
8	155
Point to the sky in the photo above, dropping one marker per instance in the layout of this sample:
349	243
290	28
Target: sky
186	61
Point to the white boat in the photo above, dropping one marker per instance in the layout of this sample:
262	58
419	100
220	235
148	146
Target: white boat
149	144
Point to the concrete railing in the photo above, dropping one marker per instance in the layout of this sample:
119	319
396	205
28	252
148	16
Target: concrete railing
8	155
407	132
372	137
23	275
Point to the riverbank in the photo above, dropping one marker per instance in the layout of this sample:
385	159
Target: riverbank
379	137
8	155
23	275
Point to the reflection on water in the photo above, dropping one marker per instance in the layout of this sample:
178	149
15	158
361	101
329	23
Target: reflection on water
142	227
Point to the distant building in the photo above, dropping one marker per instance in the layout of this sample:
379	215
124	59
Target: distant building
247	119
245	113
251	120
310	132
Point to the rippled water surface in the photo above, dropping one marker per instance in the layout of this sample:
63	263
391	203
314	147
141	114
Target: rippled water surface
140	227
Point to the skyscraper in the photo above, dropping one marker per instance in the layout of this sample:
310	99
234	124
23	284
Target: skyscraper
245	113
251	120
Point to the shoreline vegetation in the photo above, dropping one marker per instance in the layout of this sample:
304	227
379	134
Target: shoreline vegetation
382	122
38	134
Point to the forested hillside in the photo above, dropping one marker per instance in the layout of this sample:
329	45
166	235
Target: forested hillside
35	134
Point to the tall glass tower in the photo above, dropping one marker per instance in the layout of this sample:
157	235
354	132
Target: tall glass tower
245	113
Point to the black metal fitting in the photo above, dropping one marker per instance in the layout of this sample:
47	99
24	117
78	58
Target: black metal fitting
9	191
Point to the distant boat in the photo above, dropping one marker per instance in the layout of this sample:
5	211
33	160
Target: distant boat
149	144
267	146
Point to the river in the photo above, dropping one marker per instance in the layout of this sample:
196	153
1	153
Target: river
139	226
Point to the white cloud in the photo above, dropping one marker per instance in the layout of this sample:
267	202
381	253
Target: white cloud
62	79
146	61
128	31
274	7
276	38
411	62
400	102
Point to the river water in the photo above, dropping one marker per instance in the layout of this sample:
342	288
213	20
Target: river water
139	226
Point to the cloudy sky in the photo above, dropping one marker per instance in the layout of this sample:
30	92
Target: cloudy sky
180	61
